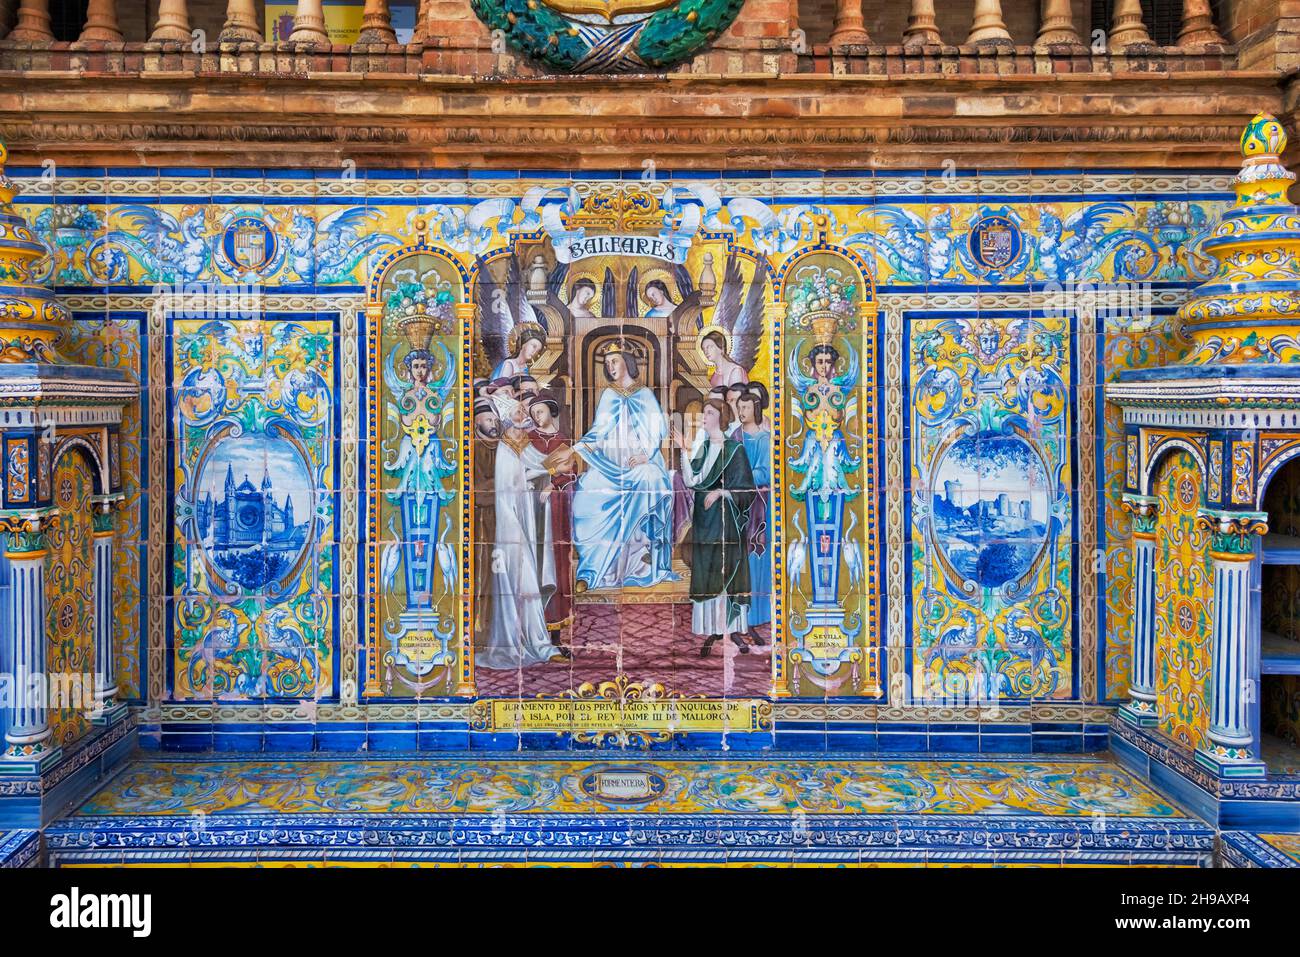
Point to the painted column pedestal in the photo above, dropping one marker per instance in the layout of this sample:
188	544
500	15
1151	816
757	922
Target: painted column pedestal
1141	708
108	710
1233	750
27	740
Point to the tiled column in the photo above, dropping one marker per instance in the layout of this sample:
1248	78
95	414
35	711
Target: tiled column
173	22
1057	24
28	736
33	24
101	23
309	24
1127	29
1198	25
1232	553
1141	708
376	23
987	25
848	28
921	27
241	22
106	705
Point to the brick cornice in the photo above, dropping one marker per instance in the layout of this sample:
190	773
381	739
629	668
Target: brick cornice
716	122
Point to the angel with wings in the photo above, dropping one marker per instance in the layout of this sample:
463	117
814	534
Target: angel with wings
730	343
513	332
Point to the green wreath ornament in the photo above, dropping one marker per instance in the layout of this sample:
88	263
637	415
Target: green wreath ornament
608	36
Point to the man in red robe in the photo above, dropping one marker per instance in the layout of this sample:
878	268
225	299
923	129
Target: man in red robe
548	439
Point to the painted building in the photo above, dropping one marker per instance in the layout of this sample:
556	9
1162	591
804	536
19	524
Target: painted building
639	407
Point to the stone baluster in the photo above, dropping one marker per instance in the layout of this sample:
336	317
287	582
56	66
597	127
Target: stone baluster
849	27
173	22
1232	554
376	23
101	23
241	22
1141	708
1198	26
922	30
28	736
33	24
1127	29
309	24
1057	25
987	26
7	8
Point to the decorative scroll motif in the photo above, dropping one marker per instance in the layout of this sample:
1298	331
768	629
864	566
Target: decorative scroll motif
70	596
115	344
608	36
991	568
253	577
1184	603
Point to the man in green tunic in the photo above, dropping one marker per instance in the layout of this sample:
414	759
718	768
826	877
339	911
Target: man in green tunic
717	469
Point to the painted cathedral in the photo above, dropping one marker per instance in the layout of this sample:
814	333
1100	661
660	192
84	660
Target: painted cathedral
478	476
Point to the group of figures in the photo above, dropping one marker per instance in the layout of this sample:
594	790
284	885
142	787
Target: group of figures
639	503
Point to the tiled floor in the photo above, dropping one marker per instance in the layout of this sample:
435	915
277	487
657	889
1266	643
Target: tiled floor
548	809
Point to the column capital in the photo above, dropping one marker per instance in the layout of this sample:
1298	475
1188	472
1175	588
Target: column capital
1144	509
1232	534
25	533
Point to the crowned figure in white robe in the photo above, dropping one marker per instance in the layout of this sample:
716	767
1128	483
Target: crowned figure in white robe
523	564
623	503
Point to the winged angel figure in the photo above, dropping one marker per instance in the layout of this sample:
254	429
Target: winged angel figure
730	343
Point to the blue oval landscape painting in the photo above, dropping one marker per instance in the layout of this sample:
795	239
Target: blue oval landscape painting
254	509
990	508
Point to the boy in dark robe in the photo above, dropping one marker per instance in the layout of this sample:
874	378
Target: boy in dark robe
717	469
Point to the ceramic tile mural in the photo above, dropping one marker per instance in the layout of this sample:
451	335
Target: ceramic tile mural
1184	598
69	575
254	486
584	451
1126	344
116	343
992	531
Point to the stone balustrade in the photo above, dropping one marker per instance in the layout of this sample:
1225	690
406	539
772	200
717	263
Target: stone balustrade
769	38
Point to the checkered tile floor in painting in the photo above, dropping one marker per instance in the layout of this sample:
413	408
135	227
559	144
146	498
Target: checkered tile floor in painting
562	809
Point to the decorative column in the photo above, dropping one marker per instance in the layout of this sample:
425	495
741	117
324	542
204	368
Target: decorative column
1232	552
173	22
1198	26
27	739
101	23
987	26
241	22
849	27
1141	708
1127	29
33	22
309	24
921	27
1057	25
107	709
376	24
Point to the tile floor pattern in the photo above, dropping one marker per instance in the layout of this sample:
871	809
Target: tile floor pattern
558	809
